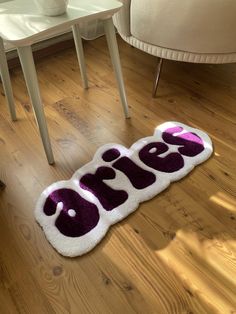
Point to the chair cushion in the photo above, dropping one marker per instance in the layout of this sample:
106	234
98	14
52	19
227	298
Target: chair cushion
198	26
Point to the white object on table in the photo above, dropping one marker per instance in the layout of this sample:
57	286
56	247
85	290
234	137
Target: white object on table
52	7
22	25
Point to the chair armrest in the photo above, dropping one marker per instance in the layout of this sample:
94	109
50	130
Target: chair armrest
122	19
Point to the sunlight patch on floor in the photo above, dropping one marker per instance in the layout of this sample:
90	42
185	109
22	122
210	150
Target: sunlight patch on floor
224	200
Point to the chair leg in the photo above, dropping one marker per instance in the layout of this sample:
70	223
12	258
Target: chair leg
80	54
115	58
6	81
2	185
28	67
157	76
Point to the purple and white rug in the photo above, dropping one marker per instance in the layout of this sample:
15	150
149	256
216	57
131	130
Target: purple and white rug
76	214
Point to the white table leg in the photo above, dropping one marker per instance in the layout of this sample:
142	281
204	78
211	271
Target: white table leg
114	52
6	81
28	66
80	54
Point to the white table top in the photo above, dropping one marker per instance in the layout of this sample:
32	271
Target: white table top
21	24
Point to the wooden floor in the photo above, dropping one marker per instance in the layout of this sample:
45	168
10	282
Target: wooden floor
177	252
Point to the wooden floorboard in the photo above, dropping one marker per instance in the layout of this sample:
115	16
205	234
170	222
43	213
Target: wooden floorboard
177	252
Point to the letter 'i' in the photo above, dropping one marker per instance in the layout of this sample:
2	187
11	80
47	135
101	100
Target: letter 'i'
139	178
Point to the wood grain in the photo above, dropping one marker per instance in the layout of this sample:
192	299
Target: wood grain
177	252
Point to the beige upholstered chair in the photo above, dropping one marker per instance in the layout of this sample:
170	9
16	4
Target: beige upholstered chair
200	31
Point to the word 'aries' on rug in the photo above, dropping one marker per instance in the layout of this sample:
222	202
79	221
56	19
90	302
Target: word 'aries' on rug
76	214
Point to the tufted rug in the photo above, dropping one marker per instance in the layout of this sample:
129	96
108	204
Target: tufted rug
76	214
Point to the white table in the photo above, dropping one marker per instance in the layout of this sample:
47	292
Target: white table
22	25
